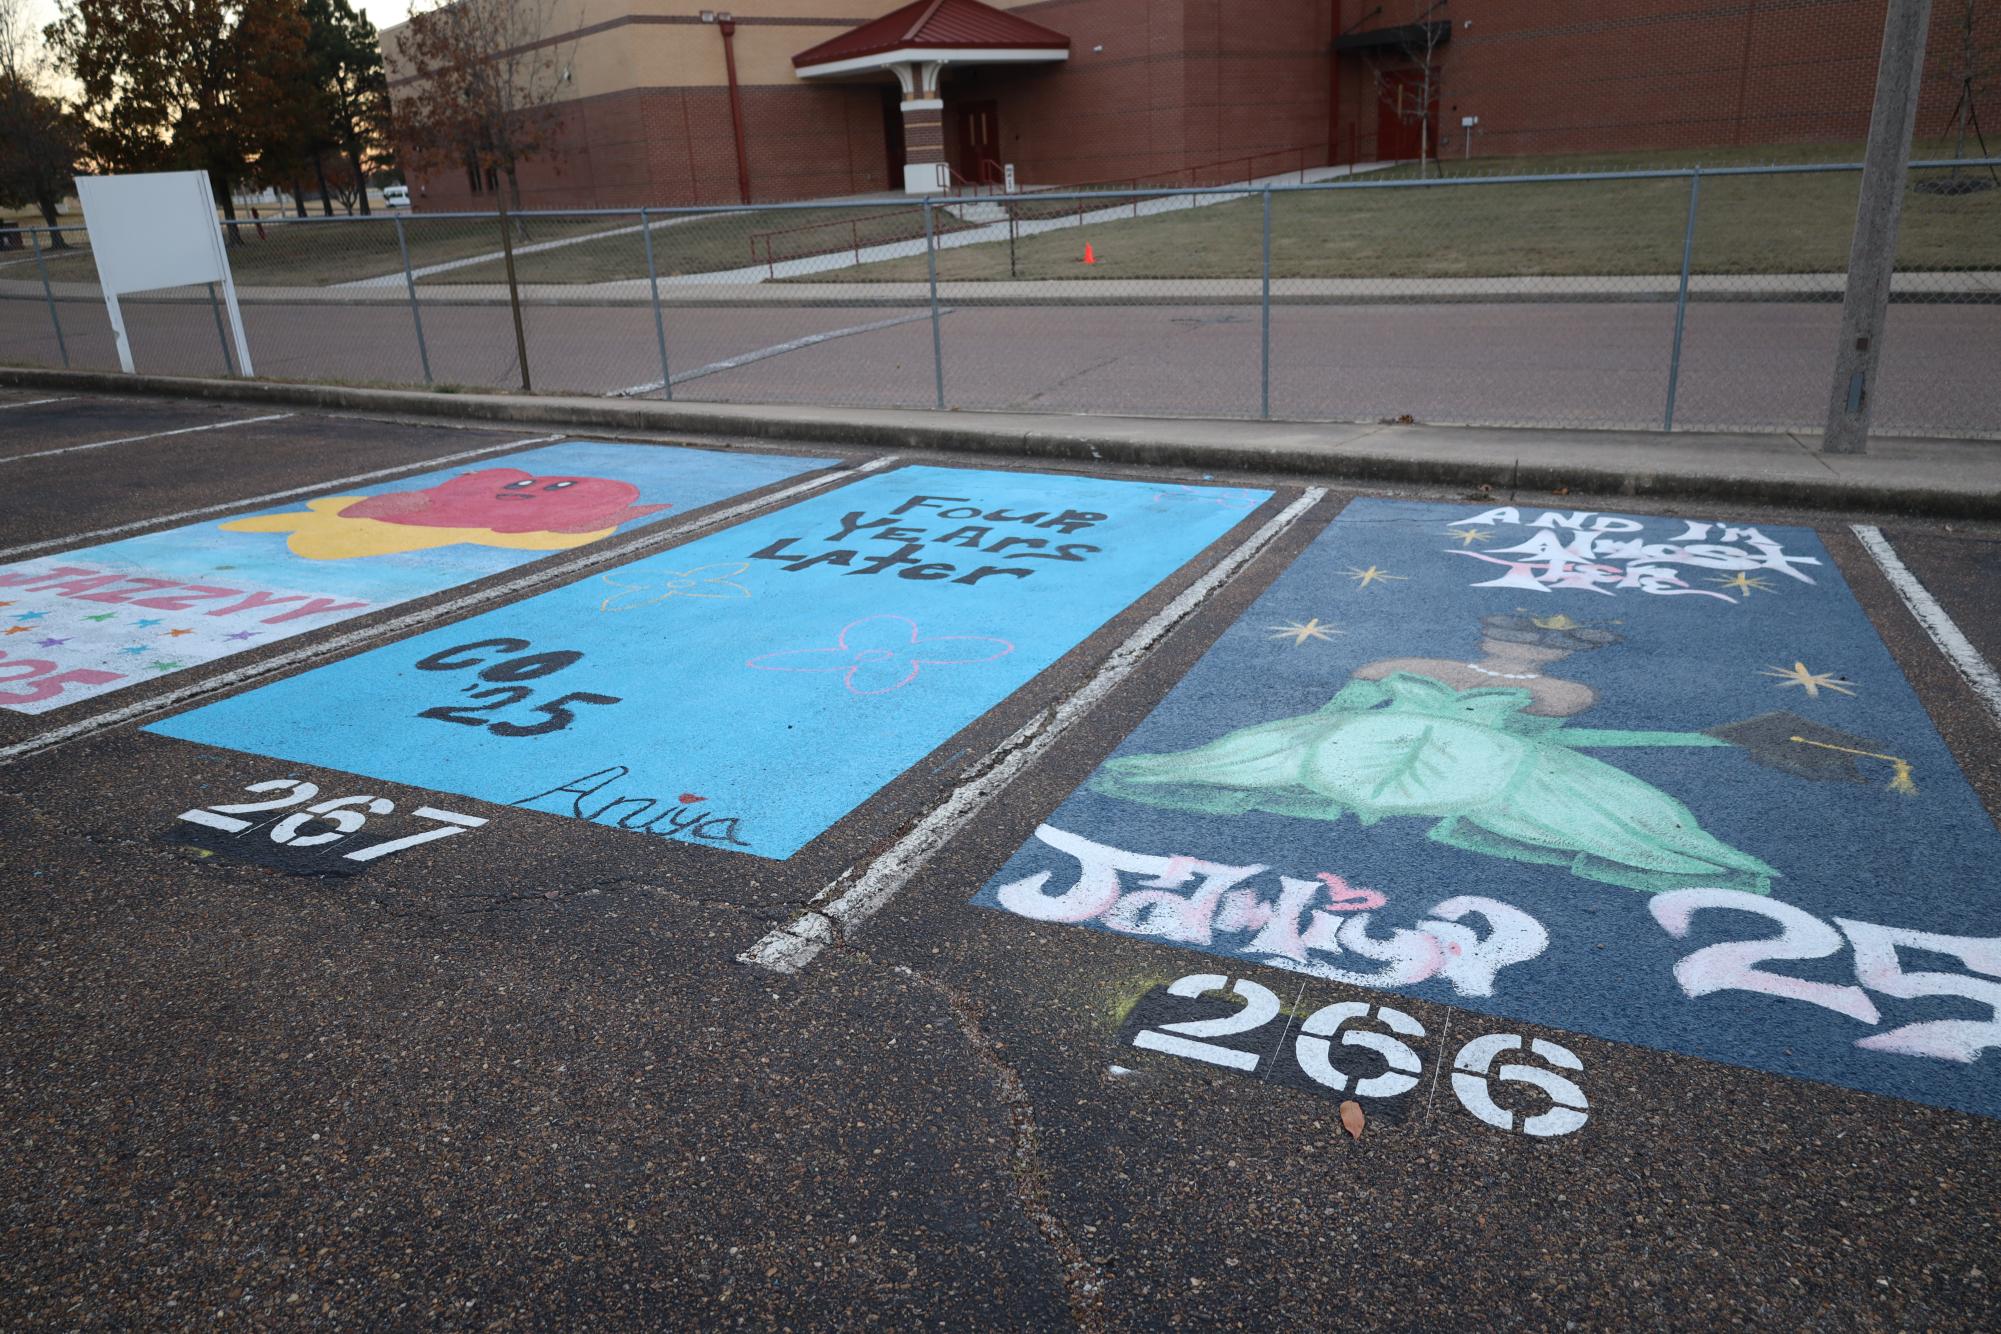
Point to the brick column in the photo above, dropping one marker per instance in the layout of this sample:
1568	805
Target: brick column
923	127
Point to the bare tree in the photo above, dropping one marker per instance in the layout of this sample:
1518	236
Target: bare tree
487	78
1971	70
39	135
1417	43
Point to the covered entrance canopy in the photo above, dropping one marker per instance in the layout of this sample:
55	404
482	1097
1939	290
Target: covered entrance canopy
915	43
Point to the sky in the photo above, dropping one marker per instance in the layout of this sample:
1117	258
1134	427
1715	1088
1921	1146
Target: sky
382	13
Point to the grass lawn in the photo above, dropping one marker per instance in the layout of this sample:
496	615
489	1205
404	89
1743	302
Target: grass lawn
707	244
314	254
1770	224
1766	224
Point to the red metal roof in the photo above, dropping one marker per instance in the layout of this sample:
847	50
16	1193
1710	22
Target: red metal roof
956	24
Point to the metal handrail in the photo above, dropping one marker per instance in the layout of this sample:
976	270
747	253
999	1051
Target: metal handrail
974	188
854	237
1197	168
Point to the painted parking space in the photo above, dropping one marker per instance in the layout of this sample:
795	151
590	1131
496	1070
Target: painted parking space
1652	780
44	422
748	689
75	499
236	947
1951	585
81	623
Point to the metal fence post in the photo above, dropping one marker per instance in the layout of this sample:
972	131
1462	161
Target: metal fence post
410	286
41	267
221	334
659	326
1681	296
513	291
1264	348
937	338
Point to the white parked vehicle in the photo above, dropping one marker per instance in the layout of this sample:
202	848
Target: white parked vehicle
396	196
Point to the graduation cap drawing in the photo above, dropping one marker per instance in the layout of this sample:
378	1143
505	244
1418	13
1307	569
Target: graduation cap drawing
1805	749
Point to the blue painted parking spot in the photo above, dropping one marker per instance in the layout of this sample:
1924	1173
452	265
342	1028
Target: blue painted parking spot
105	617
750	688
1656	780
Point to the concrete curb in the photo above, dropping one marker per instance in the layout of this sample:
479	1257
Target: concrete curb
1505	459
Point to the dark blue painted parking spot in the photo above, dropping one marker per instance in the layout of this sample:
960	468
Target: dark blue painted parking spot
1653	780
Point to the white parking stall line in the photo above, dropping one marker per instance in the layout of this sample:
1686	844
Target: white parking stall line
776	349
152	435
852	898
37	402
1952	642
654	538
269	497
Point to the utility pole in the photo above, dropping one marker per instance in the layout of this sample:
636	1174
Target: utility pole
1872	255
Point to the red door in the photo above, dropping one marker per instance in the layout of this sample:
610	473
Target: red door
978	157
1401	118
892	136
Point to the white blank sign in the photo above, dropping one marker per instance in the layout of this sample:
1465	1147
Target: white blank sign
155	230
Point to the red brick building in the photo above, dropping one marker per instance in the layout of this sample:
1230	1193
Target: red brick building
792	99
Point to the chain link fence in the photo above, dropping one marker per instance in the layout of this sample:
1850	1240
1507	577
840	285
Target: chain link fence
1684	299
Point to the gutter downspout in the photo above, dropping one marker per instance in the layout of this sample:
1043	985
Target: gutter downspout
728	26
1334	91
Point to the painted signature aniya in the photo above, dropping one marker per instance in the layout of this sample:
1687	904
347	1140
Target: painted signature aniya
684	816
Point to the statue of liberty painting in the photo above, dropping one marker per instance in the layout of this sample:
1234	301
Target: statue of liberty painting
1485	749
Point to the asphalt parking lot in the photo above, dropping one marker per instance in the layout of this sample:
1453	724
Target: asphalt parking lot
471	875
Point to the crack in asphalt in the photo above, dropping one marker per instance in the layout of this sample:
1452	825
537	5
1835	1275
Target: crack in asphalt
1083	1281
1023	1169
1027	1176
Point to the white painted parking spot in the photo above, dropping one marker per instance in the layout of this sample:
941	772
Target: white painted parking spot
776	349
1952	642
152	435
37	402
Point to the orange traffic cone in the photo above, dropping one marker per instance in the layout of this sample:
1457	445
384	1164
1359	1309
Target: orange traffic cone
1089	256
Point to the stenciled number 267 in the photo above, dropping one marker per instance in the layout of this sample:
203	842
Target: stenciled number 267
503	664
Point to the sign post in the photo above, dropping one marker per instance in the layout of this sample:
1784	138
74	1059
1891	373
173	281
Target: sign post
155	230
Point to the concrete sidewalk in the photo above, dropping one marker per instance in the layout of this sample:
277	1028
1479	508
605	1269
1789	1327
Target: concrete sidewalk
1970	286
1944	478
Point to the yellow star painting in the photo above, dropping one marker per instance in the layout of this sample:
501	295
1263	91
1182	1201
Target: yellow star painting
1363	578
1810	681
1743	583
1299	632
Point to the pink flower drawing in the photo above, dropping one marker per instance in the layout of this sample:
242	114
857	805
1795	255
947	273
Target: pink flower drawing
878	654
